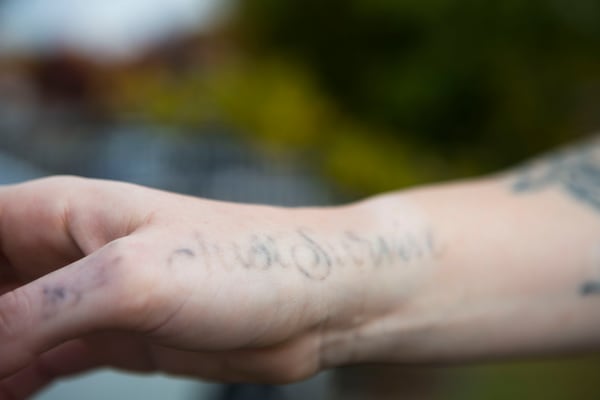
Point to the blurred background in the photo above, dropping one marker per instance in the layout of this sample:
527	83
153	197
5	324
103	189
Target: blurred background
300	102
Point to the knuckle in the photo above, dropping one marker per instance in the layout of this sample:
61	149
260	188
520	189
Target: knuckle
15	313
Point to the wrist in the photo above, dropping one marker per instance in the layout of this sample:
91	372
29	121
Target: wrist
390	249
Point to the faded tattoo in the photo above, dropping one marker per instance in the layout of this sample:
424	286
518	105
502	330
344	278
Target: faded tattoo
576	170
307	252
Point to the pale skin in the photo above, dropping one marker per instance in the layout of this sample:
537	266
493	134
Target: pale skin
97	273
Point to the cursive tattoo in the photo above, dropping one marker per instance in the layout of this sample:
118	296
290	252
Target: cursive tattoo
311	254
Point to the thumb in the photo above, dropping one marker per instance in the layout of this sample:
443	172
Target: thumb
91	294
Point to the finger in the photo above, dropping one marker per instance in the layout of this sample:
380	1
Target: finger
95	293
106	349
70	358
8	280
34	229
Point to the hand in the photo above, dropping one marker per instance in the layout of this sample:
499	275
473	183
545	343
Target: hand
96	273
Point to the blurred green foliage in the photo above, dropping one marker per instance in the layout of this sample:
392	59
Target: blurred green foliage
384	93
491	81
277	103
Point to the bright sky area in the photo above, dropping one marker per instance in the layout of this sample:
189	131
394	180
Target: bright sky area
105	29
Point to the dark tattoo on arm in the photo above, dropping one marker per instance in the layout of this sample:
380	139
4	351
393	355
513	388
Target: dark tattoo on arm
312	255
590	287
575	170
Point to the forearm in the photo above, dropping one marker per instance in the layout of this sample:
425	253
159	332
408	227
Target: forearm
514	271
472	270
512	277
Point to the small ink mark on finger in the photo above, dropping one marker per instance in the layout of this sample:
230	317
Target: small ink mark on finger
55	294
56	297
